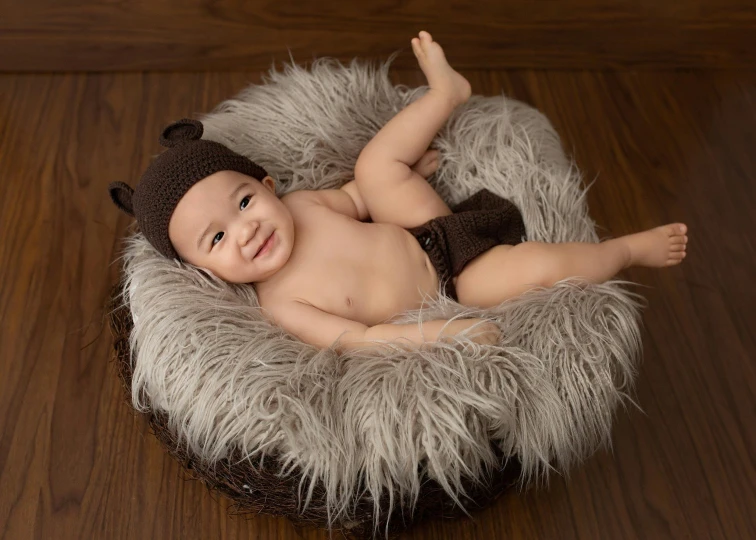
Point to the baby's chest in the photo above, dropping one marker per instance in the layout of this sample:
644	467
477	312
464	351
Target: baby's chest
359	271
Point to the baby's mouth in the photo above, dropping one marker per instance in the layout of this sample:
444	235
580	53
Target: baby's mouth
264	245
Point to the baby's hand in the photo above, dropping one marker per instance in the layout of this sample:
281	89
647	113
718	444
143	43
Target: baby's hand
486	333
427	164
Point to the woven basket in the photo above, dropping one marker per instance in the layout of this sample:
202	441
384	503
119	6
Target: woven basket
254	489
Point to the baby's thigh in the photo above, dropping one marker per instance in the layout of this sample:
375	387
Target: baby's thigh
403	197
499	274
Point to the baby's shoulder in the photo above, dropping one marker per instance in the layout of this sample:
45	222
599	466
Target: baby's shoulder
308	205
300	200
299	195
299	203
341	202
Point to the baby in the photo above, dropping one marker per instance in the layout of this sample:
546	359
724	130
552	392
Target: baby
333	266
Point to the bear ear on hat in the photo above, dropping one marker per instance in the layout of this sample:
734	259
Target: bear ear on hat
121	194
182	131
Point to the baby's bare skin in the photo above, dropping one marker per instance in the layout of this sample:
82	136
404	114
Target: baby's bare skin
364	272
323	272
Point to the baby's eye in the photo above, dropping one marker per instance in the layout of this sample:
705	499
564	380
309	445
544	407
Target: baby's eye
217	238
244	202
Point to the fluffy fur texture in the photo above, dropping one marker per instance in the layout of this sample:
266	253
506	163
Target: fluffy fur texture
204	354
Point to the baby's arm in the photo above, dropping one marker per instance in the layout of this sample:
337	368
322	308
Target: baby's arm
322	329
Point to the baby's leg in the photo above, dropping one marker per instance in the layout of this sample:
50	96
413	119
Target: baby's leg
507	271
392	191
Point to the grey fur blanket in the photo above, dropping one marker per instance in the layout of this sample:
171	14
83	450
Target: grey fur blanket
204	354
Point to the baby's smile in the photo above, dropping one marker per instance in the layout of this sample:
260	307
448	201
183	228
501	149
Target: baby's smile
249	231
267	246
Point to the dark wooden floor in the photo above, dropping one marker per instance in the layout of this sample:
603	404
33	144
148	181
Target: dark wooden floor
76	463
220	35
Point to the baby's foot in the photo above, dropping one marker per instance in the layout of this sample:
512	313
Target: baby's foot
659	247
441	76
427	164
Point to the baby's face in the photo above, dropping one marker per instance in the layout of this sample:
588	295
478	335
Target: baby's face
223	221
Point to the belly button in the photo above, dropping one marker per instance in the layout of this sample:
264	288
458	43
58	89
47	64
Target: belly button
348	302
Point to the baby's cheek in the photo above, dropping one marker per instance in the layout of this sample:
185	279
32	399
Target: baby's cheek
230	271
205	265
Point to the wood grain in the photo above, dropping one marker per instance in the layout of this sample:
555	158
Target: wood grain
75	461
102	35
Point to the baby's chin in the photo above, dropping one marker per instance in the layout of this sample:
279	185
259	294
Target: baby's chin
238	277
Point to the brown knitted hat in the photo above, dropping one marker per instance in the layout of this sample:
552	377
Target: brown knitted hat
188	160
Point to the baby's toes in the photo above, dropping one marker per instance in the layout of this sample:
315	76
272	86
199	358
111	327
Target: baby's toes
416	48
675	257
429	47
675	231
425	37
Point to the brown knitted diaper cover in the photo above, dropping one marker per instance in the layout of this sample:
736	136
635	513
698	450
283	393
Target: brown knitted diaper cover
476	225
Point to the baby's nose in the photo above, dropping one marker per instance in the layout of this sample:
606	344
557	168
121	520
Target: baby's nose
246	234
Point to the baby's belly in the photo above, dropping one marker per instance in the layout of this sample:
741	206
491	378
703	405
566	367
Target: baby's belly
390	274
